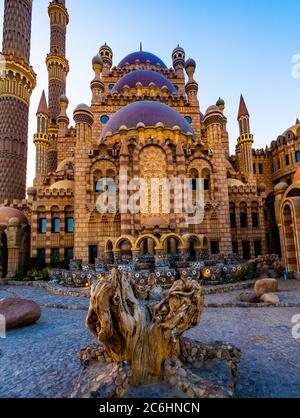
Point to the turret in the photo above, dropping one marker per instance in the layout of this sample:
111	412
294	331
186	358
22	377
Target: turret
58	68
245	142
97	85
41	139
191	87
106	54
178	58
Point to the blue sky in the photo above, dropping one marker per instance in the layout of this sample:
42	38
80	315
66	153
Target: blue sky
239	47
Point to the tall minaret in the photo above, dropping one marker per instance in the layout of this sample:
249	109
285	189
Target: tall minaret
41	140
17	82
58	68
245	142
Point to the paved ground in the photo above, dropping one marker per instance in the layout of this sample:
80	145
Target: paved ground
42	360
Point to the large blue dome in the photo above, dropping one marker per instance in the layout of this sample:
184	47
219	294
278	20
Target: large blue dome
145	77
143	57
149	113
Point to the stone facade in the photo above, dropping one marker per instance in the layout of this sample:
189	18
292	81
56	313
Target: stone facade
145	119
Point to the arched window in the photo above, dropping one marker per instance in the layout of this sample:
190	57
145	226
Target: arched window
56	225
42	226
206	178
69	225
98	182
297	156
254	215
112	187
232	215
243	215
194	175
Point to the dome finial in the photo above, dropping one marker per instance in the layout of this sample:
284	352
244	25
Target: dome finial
141	47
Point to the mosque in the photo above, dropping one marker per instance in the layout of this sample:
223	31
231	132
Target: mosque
146	119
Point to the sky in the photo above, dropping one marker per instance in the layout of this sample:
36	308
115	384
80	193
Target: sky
240	47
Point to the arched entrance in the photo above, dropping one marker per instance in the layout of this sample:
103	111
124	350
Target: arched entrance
110	252
3	254
289	238
147	244
126	250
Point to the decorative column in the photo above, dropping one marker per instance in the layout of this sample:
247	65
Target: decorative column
13	246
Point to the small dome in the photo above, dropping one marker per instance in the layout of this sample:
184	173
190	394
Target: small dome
178	49
220	102
97	60
84	107
145	77
235	182
149	113
63	184
143	57
190	63
294	129
282	186
8	213
212	109
64	99
105	46
297	176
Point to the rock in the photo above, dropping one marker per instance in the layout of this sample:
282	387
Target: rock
248	297
19	312
182	373
265	286
172	381
200	393
270	298
194	352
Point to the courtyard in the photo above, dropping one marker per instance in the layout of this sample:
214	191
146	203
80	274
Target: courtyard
43	360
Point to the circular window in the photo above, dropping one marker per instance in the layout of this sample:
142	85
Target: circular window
111	86
104	119
176	87
188	119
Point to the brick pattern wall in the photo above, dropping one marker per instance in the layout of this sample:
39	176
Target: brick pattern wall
17	28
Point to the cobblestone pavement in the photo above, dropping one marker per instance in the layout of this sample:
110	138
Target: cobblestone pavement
42	360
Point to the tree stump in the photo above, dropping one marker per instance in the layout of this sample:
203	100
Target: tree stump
137	328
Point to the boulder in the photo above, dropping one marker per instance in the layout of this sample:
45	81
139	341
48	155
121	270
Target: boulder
248	297
270	298
265	286
19	312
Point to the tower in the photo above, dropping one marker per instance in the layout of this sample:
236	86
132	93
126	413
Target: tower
213	122
41	139
106	55
245	141
16	85
58	68
178	59
191	87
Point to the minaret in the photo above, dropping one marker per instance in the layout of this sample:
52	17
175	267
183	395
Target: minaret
245	141
41	139
58	68
106	55
191	87
178	59
16	85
